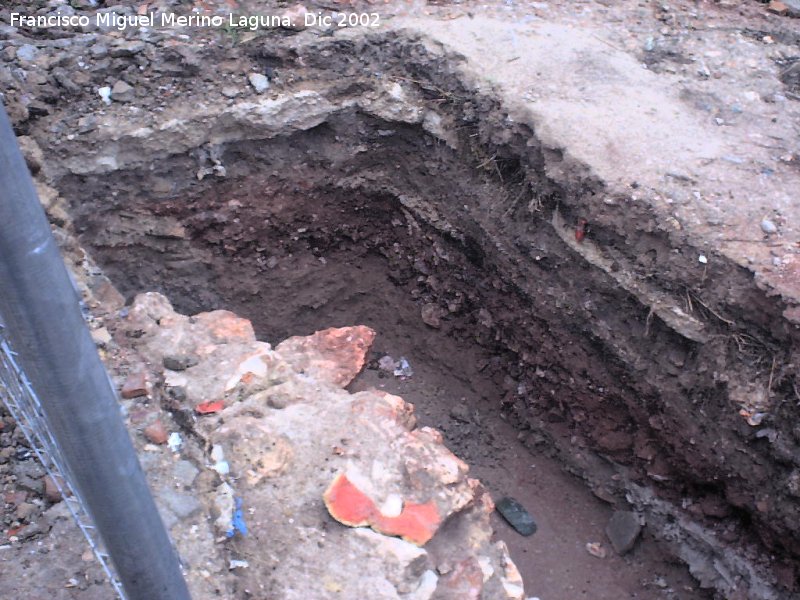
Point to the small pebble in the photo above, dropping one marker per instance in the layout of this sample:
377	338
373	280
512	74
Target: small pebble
27	52
768	226
259	82
230	91
623	529
596	549
122	92
101	337
179	362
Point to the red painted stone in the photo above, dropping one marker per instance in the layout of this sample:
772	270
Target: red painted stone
347	504
417	523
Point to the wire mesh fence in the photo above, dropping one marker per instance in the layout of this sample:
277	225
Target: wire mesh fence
22	403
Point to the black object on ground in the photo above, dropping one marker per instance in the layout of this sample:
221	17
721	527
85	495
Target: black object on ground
516	515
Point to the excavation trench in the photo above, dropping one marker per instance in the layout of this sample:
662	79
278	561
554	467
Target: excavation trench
613	356
301	234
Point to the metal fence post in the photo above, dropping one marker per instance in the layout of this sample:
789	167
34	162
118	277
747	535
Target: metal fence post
44	326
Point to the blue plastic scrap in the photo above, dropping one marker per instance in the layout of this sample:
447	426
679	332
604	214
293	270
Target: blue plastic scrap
237	520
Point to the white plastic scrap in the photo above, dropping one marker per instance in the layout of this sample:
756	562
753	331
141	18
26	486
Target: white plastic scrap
217	453
220	465
174	441
105	94
224	506
398	368
403	368
238	564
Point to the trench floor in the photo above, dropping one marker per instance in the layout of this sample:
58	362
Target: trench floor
458	388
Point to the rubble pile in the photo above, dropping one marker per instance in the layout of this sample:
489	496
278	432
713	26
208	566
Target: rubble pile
283	484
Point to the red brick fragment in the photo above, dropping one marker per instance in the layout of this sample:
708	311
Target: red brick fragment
335	355
156	433
777	7
135	385
51	491
207	408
